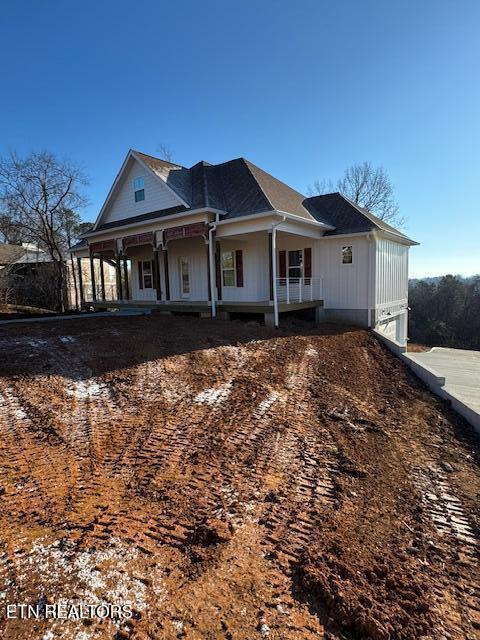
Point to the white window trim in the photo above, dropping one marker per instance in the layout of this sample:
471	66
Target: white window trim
144	262
301	267
346	264
234	268
136	189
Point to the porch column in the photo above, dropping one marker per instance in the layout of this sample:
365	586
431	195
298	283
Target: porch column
125	274
167	279
102	278
211	271
273	263
92	277
156	273
119	277
80	282
270	271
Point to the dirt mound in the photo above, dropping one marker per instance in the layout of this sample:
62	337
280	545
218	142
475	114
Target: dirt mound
228	481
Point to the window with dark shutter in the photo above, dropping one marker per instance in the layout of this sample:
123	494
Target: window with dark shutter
307	263
140	275
239	267
282	262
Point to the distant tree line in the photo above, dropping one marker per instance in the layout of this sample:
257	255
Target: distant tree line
445	312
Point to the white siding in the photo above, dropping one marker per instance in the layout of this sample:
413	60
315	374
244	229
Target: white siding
256	284
143	253
345	286
195	250
391	272
157	195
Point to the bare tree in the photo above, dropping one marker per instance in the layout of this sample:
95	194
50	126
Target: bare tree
165	152
38	196
369	187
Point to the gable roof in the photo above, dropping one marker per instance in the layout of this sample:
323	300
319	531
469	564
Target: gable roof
20	254
10	253
239	188
347	216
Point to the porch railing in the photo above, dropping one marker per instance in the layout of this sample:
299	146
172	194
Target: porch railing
299	289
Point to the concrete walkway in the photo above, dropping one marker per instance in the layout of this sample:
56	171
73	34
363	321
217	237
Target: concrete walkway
79	316
453	374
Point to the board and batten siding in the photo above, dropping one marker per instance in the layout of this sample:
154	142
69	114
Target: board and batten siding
157	195
391	281
256	284
345	286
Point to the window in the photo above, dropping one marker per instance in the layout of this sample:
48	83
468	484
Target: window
147	274
295	263
347	254
139	189
228	268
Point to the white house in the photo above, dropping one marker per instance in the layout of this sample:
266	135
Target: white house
231	238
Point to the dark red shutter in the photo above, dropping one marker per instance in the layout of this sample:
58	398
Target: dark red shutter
282	259
140	274
218	271
239	267
307	267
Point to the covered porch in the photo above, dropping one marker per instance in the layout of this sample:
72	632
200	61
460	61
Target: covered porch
211	269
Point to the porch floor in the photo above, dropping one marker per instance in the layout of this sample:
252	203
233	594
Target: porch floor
202	306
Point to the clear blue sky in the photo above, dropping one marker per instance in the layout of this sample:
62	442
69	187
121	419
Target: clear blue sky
302	88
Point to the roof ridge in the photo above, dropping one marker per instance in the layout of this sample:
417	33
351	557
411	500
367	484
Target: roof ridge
149	155
247	163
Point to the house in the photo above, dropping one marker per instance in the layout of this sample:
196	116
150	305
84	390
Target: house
25	275
230	238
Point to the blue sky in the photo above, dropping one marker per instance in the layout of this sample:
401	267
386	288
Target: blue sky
302	88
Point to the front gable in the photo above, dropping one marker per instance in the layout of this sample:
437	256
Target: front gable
120	203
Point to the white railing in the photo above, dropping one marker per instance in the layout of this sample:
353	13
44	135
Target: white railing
299	289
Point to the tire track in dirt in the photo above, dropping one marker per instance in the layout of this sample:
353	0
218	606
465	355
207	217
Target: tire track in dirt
461	604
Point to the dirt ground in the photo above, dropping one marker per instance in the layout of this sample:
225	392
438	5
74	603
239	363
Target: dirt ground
227	481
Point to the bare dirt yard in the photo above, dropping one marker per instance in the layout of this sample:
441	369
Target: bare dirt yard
231	482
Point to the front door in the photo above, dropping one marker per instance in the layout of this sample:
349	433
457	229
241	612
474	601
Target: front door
184	269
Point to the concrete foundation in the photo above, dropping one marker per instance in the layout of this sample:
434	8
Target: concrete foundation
269	319
357	317
223	315
319	315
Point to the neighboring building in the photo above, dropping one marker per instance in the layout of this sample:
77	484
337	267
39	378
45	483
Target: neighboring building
25	275
225	238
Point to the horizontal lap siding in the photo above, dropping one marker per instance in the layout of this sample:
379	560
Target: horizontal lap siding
157	196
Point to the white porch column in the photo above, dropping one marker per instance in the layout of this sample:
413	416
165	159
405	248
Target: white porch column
274	275
211	259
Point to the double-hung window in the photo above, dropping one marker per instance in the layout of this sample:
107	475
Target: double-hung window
147	274
228	268
295	264
139	189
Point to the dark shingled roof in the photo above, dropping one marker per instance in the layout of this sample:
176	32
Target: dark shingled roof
346	216
240	188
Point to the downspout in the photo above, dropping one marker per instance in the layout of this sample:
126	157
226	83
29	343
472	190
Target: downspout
274	270
211	258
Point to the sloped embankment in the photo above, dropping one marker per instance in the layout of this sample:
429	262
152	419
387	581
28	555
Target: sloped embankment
231	482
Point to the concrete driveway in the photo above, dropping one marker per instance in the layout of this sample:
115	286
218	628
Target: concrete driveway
461	370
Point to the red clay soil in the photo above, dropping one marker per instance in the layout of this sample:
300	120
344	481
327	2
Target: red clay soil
228	481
